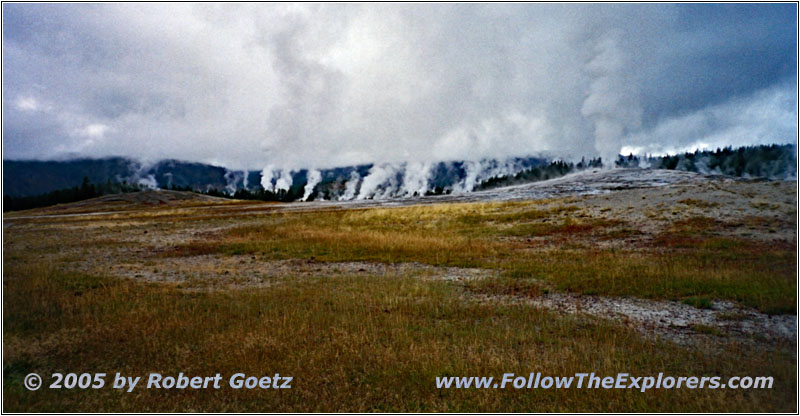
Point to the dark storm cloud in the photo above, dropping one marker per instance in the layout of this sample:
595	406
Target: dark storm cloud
322	85
718	51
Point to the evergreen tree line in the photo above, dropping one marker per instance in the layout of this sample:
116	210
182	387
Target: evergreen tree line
764	161
292	194
539	173
86	190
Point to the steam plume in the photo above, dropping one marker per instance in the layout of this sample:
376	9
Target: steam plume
351	187
415	180
612	104
380	182
267	176
314	177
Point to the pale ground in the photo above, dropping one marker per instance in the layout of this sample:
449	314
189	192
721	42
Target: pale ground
121	242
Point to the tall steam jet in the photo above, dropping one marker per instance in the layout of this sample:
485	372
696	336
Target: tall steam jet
351	187
612	104
314	177
416	179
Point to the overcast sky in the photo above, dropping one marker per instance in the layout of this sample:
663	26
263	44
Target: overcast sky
248	85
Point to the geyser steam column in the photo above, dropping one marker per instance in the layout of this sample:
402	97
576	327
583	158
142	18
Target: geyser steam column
275	180
612	104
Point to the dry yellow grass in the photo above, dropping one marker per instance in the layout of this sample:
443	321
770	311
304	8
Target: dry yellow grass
376	343
691	258
352	344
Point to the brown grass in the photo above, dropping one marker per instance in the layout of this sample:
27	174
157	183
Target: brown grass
690	258
364	344
351	344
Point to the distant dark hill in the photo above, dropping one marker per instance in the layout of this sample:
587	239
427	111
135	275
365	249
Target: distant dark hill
24	178
169	173
369	181
30	178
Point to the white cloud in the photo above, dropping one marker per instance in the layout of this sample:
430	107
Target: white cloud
93	131
764	117
27	103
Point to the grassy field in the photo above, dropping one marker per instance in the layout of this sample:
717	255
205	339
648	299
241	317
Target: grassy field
359	343
686	260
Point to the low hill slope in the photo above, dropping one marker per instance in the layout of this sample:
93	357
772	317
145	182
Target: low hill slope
126	201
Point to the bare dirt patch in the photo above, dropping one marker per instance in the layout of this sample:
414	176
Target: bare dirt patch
675	321
240	271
